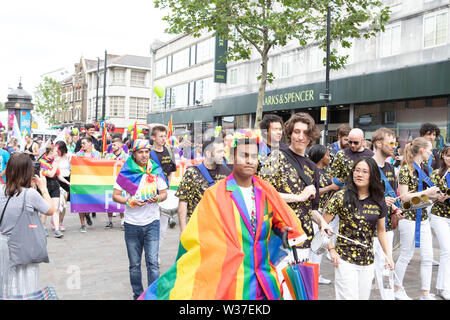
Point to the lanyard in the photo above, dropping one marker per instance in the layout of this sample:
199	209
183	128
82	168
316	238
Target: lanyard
388	191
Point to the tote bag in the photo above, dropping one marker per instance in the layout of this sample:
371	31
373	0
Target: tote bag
27	242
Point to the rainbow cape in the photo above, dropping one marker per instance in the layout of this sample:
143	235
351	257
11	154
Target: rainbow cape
92	183
219	256
131	174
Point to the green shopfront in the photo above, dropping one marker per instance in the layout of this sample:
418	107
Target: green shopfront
400	99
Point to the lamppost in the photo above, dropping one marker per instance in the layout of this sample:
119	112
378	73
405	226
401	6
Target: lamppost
327	96
98	82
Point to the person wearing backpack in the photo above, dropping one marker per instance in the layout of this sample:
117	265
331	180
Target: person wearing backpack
20	178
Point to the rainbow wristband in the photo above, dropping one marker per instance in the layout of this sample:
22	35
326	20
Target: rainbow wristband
130	203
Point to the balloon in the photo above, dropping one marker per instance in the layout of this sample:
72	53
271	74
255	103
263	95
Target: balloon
159	90
75	131
130	128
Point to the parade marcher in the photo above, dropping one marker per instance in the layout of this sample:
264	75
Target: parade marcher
4	157
362	210
430	131
144	185
164	157
124	146
50	169
70	144
233	224
87	151
320	155
117	153
64	167
90	131
271	127
20	279
296	177
440	222
31	148
342	140
384	143
198	178
13	146
415	230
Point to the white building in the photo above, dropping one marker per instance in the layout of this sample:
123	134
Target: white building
398	79
128	81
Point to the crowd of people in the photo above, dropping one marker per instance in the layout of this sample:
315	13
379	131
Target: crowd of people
250	187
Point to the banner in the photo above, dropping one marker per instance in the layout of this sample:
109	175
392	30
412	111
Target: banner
220	66
182	165
91	185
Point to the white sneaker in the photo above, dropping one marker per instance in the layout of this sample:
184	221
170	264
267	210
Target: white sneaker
444	294
429	296
400	294
322	280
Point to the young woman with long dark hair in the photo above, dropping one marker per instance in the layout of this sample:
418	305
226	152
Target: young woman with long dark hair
362	210
21	279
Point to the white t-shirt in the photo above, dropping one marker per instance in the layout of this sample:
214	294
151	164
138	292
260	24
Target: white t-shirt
141	216
249	202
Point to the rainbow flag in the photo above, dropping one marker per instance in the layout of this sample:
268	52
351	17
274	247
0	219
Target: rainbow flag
104	138
219	256
170	128
91	185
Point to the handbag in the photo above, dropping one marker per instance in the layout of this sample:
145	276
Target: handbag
27	242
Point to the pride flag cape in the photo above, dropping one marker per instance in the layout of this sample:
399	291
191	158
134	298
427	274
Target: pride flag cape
219	256
92	183
131	174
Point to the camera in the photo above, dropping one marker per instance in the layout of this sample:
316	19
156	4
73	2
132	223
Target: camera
37	167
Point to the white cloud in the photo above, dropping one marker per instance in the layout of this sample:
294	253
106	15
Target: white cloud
40	36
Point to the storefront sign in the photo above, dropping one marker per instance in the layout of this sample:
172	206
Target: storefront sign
289	97
220	66
323	113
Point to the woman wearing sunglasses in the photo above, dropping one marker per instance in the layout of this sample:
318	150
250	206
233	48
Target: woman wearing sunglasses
362	210
440	222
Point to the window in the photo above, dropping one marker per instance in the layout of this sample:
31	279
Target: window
204	91
316	56
118	76
394	5
139	108
161	67
435	29
159	103
79	94
117	106
180	60
285	66
137	78
390	41
205	50
179	96
233	76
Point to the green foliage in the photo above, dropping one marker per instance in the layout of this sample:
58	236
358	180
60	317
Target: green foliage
261	25
48	99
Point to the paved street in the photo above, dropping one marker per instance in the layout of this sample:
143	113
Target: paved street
94	265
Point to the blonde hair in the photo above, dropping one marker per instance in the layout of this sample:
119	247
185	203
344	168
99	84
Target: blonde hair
412	149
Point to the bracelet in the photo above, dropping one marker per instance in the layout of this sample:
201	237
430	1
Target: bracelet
332	249
395	211
158	199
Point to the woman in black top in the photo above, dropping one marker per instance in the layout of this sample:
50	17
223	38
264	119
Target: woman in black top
362	210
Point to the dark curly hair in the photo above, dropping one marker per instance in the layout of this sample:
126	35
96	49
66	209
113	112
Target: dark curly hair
312	131
429	128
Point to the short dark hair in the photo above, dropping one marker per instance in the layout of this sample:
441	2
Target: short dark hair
429	128
343	130
268	119
312	131
317	152
88	126
62	147
158	128
89	139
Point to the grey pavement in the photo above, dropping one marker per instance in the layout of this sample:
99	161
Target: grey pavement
94	265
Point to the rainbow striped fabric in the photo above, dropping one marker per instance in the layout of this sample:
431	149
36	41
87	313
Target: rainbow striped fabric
91	185
219	256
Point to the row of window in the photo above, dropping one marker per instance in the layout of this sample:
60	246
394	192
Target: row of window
69	115
435	29
138	107
137	78
194	93
66	95
195	54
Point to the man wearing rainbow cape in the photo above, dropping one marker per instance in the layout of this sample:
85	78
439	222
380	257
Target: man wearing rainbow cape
230	244
140	185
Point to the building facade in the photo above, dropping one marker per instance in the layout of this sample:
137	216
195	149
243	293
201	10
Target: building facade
399	79
127	97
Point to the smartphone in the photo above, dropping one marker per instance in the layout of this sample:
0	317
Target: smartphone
37	168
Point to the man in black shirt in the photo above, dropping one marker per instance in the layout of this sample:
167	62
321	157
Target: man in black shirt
197	179
430	131
90	130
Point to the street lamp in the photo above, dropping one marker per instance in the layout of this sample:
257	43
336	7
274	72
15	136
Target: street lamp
327	96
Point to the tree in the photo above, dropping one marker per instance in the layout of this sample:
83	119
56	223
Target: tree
261	25
48	99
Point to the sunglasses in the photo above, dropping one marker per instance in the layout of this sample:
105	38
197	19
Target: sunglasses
354	142
391	144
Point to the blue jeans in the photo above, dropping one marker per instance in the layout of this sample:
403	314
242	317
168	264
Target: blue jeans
138	238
